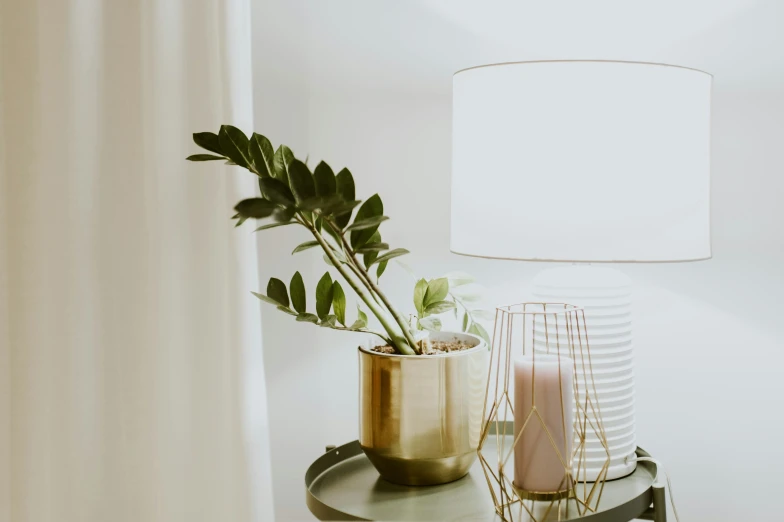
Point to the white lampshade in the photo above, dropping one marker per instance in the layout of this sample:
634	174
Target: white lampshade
581	161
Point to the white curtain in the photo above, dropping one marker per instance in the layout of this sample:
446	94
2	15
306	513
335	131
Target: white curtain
131	379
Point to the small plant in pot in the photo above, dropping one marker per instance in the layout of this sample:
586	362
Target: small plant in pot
421	389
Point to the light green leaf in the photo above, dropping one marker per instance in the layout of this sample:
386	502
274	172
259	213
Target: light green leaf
204	157
324	295
373	207
234	144
465	322
276	191
280	163
437	290
419	296
477	329
325	181
297	291
287	310
329	321
362	320
391	255
255	208
307	318
432	324
301	181
209	141
339	302
345	188
305	246
459	279
439	307
266	299
276	289
362	224
261	152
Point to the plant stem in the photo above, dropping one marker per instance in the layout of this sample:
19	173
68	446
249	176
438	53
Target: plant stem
402	345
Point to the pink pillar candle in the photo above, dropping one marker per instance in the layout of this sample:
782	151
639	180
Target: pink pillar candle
543	381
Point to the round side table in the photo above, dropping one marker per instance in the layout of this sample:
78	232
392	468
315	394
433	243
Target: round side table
342	484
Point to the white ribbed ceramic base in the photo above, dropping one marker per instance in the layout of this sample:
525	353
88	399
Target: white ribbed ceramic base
605	293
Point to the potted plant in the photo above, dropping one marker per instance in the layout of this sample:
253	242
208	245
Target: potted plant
421	389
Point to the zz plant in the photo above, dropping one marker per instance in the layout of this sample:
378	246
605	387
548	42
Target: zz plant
323	203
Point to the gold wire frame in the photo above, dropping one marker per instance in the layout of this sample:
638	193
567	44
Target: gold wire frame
556	329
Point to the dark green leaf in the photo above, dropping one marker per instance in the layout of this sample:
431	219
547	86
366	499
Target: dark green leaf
209	141
276	289
324	295
261	152
382	266
266	299
339	302
419	297
339	210
234	144
362	224
307	318
371	208
301	181
325	180
284	215
304	246
255	208
240	220
477	329
313	203
297	291
204	157
273	225
281	161
345	187
437	289
371	256
391	255
328	321
276	191
439	307
372	247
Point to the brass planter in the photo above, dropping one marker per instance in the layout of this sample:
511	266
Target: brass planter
420	416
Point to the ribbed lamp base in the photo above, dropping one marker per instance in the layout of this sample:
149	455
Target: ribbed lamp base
605	294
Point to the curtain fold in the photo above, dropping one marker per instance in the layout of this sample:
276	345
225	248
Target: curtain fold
131	377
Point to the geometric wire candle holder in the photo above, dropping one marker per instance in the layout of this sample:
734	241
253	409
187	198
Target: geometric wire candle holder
562	328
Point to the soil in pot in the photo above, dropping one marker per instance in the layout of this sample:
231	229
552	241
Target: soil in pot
432	347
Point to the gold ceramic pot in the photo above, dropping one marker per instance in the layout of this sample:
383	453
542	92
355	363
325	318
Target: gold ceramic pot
420	416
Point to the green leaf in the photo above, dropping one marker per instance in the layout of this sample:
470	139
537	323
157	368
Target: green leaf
297	291
465	322
459	278
326	184
276	191
371	208
234	144
284	214
371	256
280	163
276	289
307	318
430	323
209	141
266	299
255	208
339	302
382	266
339	209
345	188
372	247
437	289
362	224
324	295
361	321
273	225
287	310
305	246
391	255
439	307
301	181
313	203
419	297
261	152
477	329
204	157
329	321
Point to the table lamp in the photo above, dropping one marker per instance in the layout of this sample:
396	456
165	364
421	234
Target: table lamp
585	162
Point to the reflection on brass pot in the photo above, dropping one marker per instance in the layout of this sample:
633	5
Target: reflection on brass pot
420	416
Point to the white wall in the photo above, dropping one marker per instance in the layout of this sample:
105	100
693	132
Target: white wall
707	334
